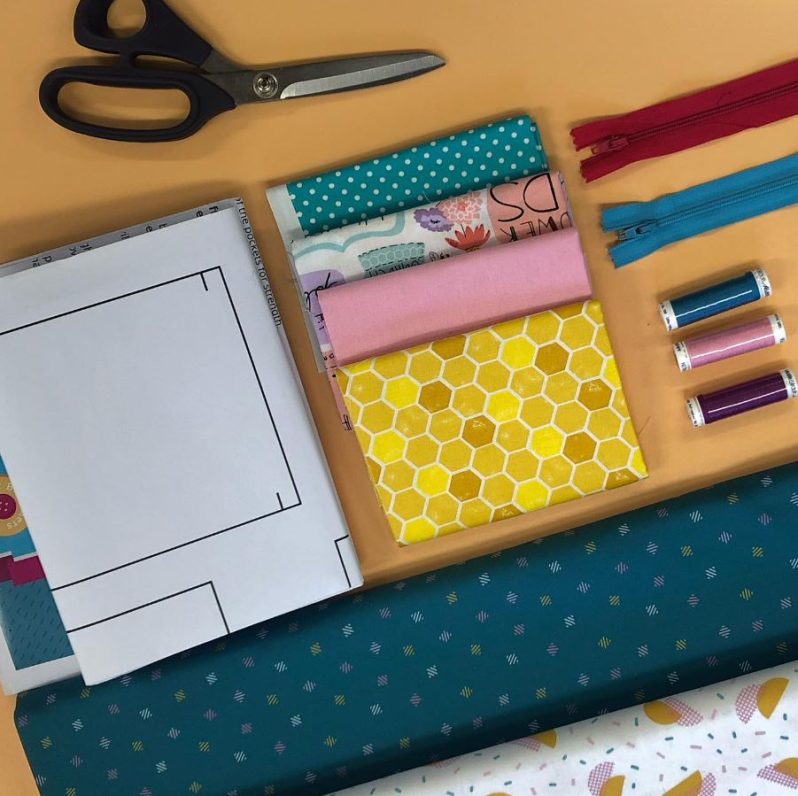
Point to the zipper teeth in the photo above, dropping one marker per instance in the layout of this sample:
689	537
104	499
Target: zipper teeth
686	121
725	201
646	226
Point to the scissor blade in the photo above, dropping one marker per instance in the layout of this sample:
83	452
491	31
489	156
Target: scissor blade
345	74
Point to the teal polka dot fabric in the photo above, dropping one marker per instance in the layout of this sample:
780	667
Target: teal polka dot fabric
496	153
630	609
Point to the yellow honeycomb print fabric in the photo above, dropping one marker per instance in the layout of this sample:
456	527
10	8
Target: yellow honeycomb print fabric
494	423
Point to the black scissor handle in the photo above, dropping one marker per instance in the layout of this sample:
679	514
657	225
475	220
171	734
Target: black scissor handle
163	33
206	100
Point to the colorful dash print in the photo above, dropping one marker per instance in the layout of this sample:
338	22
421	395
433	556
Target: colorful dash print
737	737
491	424
630	610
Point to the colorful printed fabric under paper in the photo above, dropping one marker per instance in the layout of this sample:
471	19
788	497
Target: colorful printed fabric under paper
628	610
30	626
491	424
466	161
735	737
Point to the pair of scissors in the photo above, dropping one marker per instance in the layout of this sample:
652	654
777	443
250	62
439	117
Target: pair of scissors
215	85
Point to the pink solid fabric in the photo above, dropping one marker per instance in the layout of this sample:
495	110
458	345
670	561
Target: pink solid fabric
433	301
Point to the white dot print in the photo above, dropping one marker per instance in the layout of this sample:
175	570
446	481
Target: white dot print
423	174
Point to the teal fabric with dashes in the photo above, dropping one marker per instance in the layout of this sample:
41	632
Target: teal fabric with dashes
470	160
653	602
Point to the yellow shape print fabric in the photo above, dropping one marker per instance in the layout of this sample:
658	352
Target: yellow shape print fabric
494	423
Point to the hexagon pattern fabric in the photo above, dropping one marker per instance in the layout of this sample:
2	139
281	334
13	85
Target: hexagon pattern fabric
488	425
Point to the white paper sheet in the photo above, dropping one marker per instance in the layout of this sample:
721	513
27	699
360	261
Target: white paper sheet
160	445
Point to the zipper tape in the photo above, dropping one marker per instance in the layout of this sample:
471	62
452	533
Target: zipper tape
707	115
644	227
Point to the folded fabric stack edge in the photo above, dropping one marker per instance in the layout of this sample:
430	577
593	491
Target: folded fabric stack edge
509	149
395	311
657	601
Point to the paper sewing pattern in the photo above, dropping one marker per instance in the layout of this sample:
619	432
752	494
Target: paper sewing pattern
34	647
491	424
197	388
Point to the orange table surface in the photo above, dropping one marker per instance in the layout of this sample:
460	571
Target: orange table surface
561	63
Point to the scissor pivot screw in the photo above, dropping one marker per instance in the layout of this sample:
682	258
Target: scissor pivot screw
266	85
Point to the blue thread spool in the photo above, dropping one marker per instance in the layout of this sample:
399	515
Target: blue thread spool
710	301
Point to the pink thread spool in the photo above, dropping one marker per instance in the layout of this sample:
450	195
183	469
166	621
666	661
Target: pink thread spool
700	351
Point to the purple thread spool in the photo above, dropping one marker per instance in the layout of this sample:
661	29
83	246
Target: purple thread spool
731	401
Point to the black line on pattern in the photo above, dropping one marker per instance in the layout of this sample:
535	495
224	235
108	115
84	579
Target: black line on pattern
149	604
341	559
98	304
281	508
221	611
176	547
260	386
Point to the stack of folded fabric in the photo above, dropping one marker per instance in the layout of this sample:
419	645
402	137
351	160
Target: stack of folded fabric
480	386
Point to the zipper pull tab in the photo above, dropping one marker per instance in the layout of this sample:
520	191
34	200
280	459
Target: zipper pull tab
611	144
637	231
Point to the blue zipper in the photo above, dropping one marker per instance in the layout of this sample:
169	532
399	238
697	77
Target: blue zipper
644	227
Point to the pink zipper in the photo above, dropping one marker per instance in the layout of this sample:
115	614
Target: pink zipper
751	101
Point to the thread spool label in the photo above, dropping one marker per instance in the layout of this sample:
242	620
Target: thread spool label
762	282
695	413
668	316
682	357
790	383
779	330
